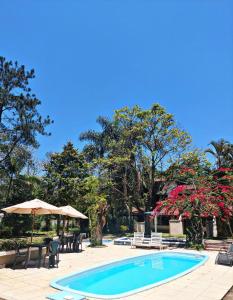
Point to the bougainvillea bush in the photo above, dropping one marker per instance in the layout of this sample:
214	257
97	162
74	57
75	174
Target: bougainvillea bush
206	196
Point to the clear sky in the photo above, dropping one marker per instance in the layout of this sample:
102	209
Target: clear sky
94	56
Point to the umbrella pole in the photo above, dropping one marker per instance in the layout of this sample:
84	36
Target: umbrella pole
33	224
63	227
67	225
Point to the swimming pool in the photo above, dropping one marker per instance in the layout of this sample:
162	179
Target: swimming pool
128	276
104	241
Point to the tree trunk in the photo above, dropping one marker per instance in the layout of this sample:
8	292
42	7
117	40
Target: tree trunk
151	195
98	221
125	190
99	234
194	232
1	111
96	233
9	188
230	229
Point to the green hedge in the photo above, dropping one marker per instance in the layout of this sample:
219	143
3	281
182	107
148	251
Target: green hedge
9	244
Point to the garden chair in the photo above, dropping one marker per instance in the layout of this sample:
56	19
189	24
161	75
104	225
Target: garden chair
69	243
47	240
156	241
137	240
21	255
52	253
62	242
225	257
77	244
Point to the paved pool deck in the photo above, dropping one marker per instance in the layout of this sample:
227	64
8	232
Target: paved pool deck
208	282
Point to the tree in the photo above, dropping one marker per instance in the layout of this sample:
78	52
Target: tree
222	151
129	150
107	162
181	170
156	132
64	175
96	203
23	188
206	197
13	166
99	142
20	121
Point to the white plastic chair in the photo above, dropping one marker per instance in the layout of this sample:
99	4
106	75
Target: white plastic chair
156	240
137	239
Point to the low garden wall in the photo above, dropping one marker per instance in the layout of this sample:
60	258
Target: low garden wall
7	257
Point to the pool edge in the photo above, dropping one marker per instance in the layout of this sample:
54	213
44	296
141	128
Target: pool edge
55	285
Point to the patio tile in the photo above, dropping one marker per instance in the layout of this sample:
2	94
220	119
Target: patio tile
209	282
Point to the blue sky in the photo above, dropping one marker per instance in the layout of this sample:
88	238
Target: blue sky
94	56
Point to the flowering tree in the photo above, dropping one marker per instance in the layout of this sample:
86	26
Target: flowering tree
207	196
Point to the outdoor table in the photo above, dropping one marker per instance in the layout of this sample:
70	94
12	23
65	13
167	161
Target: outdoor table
40	247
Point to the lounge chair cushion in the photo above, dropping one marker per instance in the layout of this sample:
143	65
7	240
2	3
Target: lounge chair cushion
224	259
61	295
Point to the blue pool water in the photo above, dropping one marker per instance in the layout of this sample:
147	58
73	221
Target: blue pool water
131	275
104	241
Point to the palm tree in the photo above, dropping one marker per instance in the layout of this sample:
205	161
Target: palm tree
99	141
222	151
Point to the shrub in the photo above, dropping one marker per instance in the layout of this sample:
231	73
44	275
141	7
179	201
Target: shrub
5	231
124	228
74	229
9	244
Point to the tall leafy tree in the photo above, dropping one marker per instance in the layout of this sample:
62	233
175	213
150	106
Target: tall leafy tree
157	133
12	168
98	142
64	173
129	150
20	121
23	188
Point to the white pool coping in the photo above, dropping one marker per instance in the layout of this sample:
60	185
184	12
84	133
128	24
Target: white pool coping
55	283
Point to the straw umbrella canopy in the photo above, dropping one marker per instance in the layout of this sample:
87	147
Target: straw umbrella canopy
33	207
69	211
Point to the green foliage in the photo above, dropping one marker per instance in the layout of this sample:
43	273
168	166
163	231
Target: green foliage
128	153
9	244
74	229
188	166
120	168
124	228
97	207
222	151
64	174
20	121
151	134
23	188
195	246
20	125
